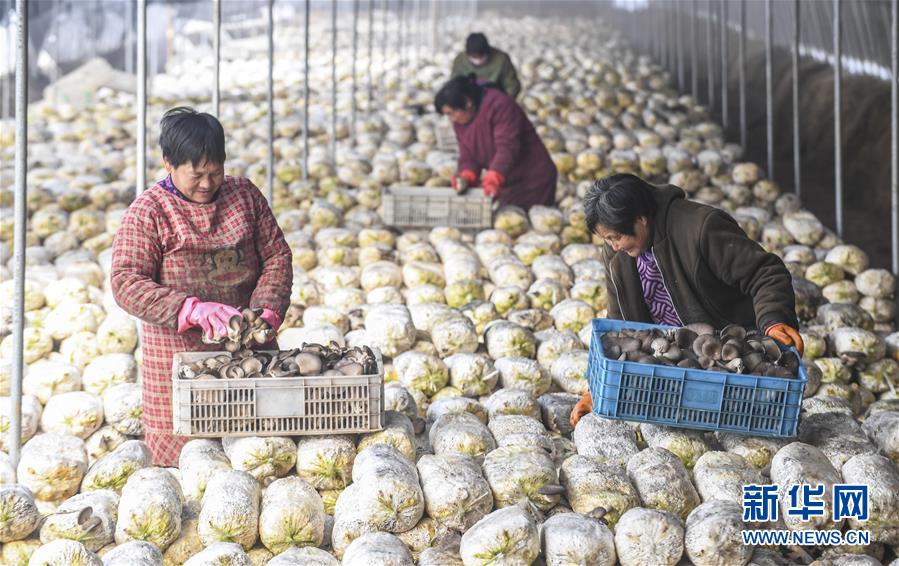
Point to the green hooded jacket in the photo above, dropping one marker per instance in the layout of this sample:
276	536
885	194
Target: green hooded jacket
498	69
713	271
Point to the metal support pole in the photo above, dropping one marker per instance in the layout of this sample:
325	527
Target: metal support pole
725	75
837	114
662	39
334	82
894	138
21	219
353	71
416	33
679	44
742	74
667	48
399	42
270	83
5	110
797	146
140	182
709	54
382	78
217	54
306	90
769	87
694	49
433	25
369	59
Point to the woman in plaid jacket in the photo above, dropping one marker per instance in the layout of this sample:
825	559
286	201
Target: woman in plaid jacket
190	251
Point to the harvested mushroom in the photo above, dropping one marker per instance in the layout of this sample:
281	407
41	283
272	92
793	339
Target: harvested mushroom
308	364
734	349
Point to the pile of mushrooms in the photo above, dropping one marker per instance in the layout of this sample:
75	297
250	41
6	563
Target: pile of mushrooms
311	359
699	346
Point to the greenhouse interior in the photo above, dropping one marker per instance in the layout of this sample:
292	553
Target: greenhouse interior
449	282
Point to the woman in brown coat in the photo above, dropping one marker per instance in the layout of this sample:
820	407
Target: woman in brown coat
672	261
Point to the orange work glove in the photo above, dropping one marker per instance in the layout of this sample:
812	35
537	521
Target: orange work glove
584	406
786	335
468	177
492	182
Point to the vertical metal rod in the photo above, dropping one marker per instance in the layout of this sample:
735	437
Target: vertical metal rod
662	39
5	110
416	32
709	54
680	51
270	83
769	86
369	59
894	137
670	29
306	90
334	82
382	78
694	49
742	74
797	145
433	5
725	74
353	71
21	219
141	98
837	114
217	54
400	29
664	48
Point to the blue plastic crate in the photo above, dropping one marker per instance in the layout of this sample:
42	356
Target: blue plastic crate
690	398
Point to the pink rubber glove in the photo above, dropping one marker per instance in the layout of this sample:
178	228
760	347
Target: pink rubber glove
272	318
211	317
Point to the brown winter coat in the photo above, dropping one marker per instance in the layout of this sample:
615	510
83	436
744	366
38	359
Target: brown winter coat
713	271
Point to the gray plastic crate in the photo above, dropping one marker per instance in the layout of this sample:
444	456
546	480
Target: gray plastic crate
275	406
426	207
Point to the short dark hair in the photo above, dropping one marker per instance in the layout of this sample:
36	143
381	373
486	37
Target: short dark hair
187	135
476	44
617	201
456	92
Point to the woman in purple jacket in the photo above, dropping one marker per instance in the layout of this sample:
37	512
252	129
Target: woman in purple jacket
496	136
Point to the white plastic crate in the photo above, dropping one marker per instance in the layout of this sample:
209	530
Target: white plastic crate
446	139
426	207
275	406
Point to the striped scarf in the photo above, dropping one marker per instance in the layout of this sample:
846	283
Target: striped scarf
661	307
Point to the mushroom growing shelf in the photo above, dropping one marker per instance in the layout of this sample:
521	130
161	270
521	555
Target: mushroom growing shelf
690	398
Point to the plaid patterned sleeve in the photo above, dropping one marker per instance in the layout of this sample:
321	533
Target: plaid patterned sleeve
273	288
136	260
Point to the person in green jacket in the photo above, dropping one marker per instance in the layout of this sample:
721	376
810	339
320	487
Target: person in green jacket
672	261
489	64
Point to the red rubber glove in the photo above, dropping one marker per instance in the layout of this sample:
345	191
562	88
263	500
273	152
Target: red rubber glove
492	182
786	335
584	406
272	318
211	317
468	175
